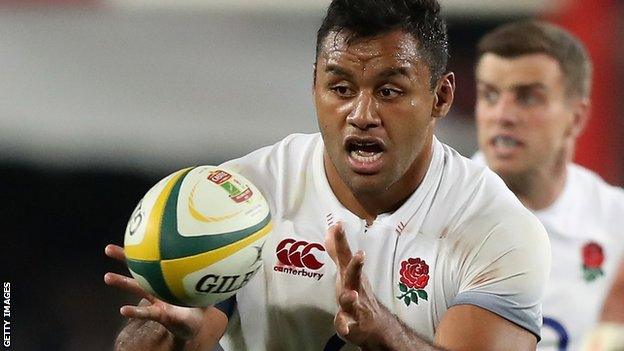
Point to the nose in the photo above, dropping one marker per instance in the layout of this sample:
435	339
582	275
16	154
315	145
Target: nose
506	111
364	115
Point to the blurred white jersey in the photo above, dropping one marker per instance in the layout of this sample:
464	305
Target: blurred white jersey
585	226
461	238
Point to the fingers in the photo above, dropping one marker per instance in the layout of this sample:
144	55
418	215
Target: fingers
344	322
144	335
352	278
348	301
142	303
180	321
114	251
146	312
128	284
338	246
345	318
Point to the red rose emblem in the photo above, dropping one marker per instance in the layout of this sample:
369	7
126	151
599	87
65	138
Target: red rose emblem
592	255
414	273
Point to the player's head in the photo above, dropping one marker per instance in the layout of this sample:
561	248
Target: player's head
533	85
361	19
380	82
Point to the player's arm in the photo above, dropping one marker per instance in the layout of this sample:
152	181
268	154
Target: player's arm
159	326
501	284
469	327
613	308
362	320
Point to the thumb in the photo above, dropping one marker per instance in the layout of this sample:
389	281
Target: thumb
144	302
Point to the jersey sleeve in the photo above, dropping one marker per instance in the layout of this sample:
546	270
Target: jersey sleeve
507	269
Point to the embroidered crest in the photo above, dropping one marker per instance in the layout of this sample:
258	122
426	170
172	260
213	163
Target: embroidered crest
593	257
414	278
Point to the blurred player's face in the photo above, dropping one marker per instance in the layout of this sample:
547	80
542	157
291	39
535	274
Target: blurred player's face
525	122
376	110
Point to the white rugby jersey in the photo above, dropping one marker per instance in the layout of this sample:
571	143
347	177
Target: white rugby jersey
586	230
461	238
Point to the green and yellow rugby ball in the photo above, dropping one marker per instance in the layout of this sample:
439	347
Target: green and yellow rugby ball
196	237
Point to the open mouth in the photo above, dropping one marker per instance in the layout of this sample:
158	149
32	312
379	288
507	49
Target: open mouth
505	145
505	141
365	154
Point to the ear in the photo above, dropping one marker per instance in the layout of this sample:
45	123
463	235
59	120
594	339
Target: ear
580	116
314	79
444	94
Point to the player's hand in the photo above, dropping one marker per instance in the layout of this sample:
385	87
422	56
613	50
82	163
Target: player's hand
360	318
154	324
141	334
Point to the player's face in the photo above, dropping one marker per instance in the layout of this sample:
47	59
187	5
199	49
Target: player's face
375	109
525	122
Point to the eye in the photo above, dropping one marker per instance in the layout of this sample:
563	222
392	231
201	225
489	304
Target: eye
527	99
342	90
389	93
490	96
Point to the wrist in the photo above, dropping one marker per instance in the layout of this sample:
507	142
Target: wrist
389	333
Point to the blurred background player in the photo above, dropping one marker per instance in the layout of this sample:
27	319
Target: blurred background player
533	100
446	242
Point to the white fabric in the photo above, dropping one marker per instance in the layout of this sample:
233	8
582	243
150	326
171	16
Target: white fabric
588	210
481	245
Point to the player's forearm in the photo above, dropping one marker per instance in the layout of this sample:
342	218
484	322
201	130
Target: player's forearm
212	328
205	341
613	308
396	336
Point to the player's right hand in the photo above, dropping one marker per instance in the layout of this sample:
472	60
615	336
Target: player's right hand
141	334
154	324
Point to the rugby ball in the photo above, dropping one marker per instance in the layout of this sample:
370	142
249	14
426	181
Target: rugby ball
196	237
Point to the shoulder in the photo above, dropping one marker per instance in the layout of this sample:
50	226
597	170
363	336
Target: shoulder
283	151
486	219
599	197
589	182
467	177
279	170
270	160
501	226
471	196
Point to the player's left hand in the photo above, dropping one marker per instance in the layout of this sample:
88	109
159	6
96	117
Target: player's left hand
360	318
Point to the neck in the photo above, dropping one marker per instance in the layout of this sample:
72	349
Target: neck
368	205
539	189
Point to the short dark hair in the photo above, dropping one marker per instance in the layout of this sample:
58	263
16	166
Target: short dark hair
538	37
369	18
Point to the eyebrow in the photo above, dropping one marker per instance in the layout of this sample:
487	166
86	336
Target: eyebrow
397	71
387	73
339	71
516	87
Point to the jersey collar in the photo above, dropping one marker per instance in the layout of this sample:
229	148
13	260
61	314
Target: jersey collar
411	212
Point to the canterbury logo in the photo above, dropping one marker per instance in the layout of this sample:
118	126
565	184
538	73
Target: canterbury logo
291	252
